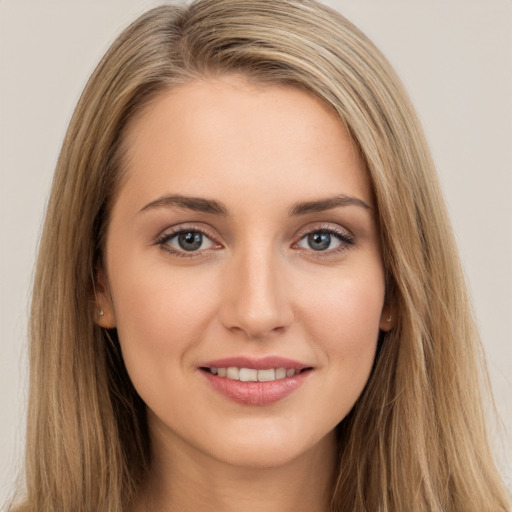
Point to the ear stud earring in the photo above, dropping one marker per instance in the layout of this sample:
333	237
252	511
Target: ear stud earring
100	312
389	318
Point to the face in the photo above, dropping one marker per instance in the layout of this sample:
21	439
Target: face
243	271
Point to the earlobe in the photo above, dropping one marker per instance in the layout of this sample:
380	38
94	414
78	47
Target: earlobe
387	318
104	312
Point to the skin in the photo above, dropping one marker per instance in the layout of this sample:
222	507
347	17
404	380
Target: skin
255	287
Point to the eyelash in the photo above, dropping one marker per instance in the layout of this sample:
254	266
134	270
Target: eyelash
163	240
344	238
346	241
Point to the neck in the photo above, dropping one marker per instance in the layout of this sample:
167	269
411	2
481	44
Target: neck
185	479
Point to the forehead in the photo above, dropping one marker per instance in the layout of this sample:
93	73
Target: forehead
198	137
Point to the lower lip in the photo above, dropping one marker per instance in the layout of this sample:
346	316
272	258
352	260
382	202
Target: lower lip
256	393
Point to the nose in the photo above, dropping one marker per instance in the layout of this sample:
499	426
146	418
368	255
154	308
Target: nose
255	295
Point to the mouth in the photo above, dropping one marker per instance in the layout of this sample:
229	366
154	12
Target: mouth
253	374
251	381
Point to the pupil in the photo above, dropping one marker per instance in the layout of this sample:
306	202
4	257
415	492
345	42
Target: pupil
319	241
190	241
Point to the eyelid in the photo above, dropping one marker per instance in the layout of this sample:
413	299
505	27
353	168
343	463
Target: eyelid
330	227
173	231
347	239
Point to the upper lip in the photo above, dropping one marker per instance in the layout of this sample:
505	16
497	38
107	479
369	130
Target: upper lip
257	363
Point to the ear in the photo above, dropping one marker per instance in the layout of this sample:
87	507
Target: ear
388	317
104	314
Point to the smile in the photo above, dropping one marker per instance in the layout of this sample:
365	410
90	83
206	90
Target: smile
255	381
252	374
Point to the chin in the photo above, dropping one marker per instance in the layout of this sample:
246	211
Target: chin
271	448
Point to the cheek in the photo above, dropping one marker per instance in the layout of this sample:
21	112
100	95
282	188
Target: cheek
160	315
348	306
344	320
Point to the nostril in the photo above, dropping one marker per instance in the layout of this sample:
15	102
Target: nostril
254	334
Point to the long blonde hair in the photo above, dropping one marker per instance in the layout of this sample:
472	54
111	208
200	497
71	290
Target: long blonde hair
416	438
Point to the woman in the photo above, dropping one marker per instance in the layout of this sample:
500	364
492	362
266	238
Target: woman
248	295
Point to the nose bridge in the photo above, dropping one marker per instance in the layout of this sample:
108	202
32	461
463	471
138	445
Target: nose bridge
257	300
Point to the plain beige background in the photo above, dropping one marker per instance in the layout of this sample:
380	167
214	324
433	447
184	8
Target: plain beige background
455	59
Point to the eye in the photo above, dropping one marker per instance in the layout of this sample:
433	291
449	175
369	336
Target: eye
185	241
325	240
319	241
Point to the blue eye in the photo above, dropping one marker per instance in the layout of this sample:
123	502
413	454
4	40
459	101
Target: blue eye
187	240
324	240
320	241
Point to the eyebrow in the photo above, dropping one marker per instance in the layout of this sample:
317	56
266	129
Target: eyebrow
195	204
328	203
198	204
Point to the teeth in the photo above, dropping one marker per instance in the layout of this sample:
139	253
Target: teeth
266	375
248	375
233	373
253	375
281	373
